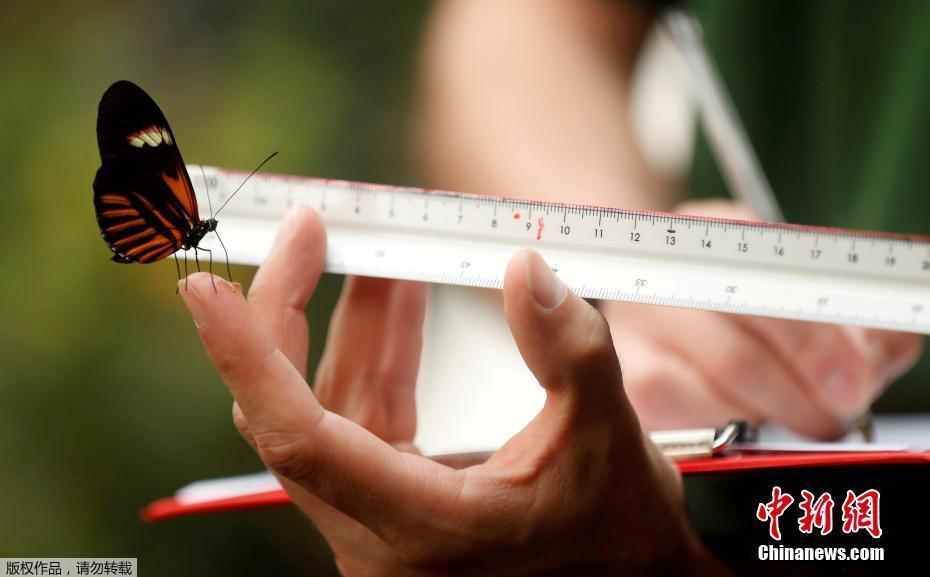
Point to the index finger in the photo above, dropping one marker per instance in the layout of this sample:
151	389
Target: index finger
330	456
286	279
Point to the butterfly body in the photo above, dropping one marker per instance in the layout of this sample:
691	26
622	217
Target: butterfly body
144	200
194	235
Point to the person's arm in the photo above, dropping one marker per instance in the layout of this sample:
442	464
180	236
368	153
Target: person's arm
580	491
530	98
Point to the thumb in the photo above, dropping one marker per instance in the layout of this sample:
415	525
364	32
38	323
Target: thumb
567	345
564	341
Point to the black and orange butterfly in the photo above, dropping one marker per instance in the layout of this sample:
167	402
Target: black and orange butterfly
145	203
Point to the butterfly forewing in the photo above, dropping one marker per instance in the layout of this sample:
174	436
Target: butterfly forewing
143	195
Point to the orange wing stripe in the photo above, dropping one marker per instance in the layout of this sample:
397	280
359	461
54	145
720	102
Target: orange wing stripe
115	199
177	234
124	225
159	241
133	238
156	254
182	192
118	212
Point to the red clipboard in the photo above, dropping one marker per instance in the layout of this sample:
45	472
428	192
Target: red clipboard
179	506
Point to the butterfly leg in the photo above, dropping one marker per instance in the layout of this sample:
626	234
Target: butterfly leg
210	253
185	270
177	266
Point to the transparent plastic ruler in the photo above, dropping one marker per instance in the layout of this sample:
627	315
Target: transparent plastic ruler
775	270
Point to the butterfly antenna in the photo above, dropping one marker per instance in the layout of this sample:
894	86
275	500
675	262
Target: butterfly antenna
206	188
273	154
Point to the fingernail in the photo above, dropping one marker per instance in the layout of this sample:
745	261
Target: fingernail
546	288
194	301
198	290
843	388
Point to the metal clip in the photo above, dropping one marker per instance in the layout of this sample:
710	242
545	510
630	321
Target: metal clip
690	443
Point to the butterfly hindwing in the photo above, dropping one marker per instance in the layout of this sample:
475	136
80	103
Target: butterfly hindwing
143	195
134	228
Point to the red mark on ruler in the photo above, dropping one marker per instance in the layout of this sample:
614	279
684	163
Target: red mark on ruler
542	225
516	216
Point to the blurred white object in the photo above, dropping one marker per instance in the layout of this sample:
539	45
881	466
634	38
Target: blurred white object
474	392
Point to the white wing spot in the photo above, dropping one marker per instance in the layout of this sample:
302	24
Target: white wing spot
153	136
144	135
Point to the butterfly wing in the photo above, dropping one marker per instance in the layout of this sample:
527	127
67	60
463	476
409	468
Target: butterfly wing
134	228
143	195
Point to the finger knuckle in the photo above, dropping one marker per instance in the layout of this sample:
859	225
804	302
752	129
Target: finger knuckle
369	417
242	365
241	424
592	344
388	374
287	454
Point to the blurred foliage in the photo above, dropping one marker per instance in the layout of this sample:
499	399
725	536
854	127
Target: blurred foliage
107	400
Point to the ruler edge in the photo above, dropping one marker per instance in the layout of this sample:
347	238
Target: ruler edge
655	216
851	233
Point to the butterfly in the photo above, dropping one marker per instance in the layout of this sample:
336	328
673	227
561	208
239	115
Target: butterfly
143	196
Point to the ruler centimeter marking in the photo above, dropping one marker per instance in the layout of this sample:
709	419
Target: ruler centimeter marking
785	271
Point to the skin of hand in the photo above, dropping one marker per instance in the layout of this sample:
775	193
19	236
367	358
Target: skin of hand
530	99
690	368
579	491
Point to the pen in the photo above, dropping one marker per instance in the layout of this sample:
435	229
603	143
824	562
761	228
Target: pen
728	140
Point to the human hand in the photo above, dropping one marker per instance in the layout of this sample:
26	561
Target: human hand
687	368
579	491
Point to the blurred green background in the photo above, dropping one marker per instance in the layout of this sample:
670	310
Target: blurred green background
107	400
